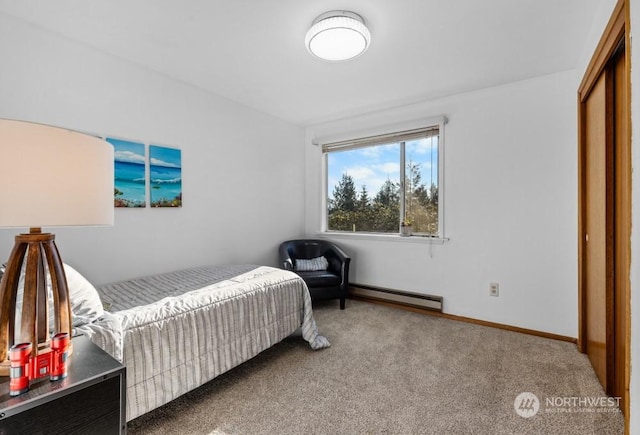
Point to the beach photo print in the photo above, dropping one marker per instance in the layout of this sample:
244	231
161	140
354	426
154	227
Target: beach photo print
165	176
129	173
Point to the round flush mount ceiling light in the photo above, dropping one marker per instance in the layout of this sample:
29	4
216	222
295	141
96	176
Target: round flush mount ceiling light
337	36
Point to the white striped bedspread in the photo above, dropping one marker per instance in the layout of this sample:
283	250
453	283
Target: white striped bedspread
177	331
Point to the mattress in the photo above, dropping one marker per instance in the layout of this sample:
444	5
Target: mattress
178	330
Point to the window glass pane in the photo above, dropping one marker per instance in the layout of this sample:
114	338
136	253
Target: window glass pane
363	187
421	185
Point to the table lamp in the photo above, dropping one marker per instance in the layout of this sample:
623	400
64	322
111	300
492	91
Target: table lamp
49	177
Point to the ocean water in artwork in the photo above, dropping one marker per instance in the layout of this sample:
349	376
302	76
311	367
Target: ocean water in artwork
130	183
130	170
165	181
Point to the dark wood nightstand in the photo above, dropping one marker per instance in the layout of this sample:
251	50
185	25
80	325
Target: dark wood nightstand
90	400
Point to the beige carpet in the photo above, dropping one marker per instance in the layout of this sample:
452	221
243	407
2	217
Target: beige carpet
396	372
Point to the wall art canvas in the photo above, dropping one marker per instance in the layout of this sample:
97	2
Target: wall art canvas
130	189
165	179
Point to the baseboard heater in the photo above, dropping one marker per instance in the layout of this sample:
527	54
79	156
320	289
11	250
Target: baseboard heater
428	302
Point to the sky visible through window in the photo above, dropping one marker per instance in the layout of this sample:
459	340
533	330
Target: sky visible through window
372	166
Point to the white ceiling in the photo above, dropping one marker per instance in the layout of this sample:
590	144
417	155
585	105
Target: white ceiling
252	51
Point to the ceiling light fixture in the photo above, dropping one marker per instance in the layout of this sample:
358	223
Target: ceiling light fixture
338	35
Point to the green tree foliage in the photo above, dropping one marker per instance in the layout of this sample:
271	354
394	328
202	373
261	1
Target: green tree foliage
363	202
344	195
389	194
433	194
421	204
356	211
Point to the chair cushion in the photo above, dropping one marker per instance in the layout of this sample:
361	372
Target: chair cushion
318	263
320	278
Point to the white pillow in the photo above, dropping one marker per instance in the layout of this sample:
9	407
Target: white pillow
318	263
86	305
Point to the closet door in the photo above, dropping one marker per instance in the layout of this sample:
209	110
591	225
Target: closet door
622	226
597	230
604	213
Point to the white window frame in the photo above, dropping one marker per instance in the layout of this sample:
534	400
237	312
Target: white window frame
386	134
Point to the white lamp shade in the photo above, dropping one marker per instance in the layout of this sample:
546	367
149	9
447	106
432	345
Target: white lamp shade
51	176
338	36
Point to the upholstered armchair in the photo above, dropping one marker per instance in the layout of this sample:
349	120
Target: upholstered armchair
322	265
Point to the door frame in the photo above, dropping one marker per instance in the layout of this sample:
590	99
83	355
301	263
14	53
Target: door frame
617	31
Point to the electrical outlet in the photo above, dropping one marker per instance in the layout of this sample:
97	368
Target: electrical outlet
494	289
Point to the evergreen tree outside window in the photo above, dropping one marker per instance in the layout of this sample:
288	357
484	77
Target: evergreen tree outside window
374	184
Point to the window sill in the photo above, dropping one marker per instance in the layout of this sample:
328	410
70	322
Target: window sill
384	237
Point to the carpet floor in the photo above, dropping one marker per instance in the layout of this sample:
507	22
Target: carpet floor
389	371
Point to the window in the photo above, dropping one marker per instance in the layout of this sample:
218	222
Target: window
381	183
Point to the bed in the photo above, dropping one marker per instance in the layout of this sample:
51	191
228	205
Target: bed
176	331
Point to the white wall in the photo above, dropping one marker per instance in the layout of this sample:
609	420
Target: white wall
510	206
241	168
